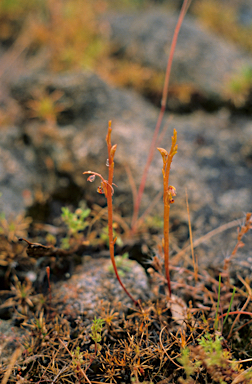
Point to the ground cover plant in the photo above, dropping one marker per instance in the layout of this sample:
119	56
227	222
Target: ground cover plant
200	339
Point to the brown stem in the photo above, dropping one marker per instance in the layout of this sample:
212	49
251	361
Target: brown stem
49	290
169	192
111	153
235	313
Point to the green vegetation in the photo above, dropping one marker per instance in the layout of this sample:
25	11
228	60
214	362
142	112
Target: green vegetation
210	356
76	222
240	85
123	264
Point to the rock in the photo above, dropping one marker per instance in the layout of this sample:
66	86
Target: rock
17	171
213	160
214	152
95	283
202	60
11	338
245	13
64	152
240	10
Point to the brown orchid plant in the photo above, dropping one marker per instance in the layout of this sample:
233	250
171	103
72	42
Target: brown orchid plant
169	191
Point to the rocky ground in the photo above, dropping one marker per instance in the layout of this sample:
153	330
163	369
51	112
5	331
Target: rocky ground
41	164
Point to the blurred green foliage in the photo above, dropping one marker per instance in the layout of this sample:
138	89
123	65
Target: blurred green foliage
123	264
76	222
240	85
96	329
105	237
70	30
242	81
223	18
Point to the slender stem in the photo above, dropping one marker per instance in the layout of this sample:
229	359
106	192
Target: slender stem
167	221
183	10
218	304
146	169
160	117
236	313
93	357
111	153
169	192
167	243
79	367
195	264
49	290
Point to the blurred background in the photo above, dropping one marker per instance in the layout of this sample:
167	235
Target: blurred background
71	35
68	66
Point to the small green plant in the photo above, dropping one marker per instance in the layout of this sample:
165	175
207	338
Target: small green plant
38	325
105	237
213	349
76	222
154	221
45	106
185	361
96	336
78	360
22	298
123	264
96	330
14	227
244	80
210	356
239	85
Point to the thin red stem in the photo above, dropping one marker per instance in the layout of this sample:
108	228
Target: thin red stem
160	117
49	289
110	209
236	313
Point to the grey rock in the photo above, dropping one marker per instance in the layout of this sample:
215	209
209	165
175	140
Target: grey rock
214	149
213	160
95	283
201	59
11	338
17	170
